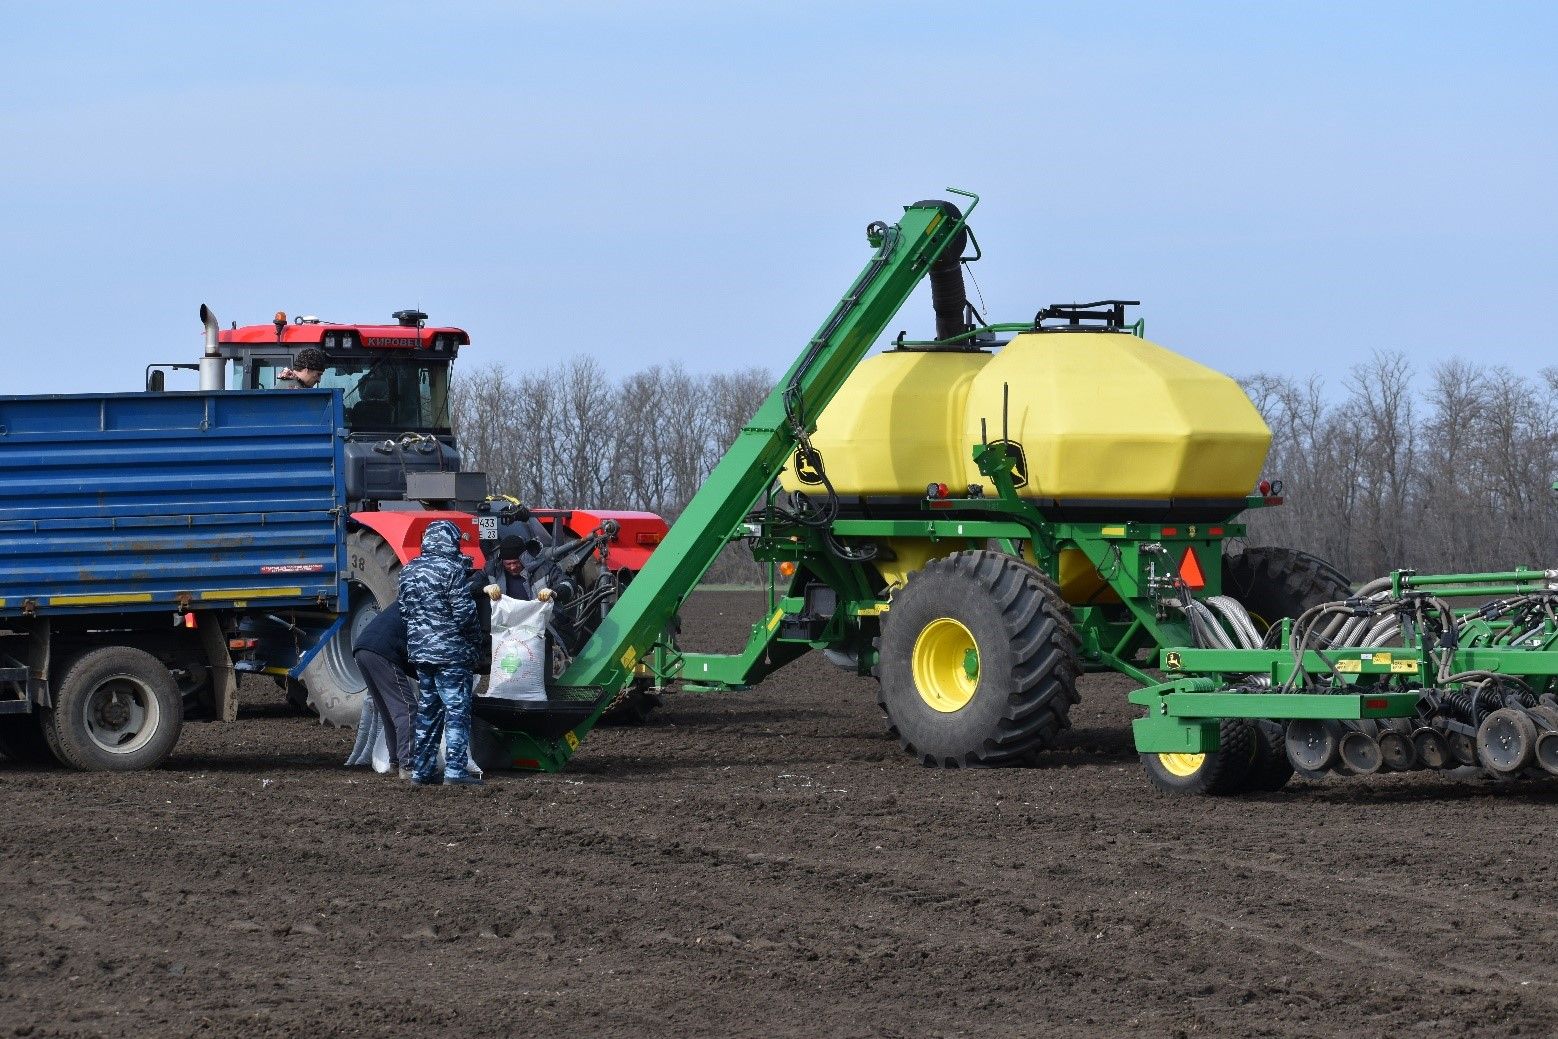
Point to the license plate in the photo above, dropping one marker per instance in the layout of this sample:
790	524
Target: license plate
487	527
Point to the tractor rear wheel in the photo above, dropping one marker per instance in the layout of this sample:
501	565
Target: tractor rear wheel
335	684
1226	770
1272	583
977	662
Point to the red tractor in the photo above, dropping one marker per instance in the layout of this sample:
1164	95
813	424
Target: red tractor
403	471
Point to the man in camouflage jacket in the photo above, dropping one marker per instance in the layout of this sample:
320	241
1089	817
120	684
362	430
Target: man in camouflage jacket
443	636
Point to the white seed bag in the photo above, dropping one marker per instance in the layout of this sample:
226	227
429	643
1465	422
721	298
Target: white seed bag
519	649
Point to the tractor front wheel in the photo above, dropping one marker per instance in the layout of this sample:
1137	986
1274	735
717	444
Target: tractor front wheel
977	662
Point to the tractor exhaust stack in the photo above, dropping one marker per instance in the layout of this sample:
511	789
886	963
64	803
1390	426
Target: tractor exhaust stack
213	366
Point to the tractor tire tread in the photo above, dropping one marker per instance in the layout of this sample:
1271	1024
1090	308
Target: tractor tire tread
1035	622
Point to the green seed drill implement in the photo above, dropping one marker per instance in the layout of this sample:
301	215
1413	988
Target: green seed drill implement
1043	552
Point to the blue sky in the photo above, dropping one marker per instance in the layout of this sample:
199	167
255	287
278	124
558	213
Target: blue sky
1285	187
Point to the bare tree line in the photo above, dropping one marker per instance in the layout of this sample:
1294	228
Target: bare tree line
1380	469
575	435
1383	472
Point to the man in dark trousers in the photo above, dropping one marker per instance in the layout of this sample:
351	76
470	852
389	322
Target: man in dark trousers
380	652
443	636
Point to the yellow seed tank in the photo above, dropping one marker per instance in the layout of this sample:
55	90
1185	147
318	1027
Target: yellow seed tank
1108	423
1099	416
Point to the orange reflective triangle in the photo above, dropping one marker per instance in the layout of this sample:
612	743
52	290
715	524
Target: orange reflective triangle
1190	570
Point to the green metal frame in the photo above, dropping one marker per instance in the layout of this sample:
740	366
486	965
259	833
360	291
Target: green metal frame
633	628
1140	564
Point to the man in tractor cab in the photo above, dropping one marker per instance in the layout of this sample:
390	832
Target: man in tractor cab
443	638
308	367
508	570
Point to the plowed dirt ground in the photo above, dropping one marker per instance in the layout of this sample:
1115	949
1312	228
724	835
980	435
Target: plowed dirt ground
764	864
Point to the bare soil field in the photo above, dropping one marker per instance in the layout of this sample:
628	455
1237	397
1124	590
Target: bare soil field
764	864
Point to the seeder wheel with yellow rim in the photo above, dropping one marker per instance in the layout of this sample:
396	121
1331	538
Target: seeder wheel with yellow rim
977	661
1226	770
946	665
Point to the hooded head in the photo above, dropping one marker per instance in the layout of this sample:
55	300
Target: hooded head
442	538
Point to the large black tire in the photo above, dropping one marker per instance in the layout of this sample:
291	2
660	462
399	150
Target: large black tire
22	740
1226	770
977	662
1272	583
116	709
335	684
1270	768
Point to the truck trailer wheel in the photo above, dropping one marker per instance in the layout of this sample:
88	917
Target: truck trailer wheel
335	685
116	709
977	662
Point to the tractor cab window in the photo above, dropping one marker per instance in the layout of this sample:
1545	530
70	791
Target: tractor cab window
382	395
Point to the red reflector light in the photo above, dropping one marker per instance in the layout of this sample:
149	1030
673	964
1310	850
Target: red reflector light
1264	488
1376	704
1169	532
649	537
526	763
189	620
242	643
1190	570
1214	532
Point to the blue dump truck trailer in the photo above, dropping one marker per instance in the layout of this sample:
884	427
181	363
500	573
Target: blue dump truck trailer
152	545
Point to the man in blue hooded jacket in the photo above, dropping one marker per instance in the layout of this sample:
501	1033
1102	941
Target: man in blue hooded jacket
443	636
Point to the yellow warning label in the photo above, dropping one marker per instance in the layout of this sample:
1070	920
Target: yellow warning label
1403	667
1382	659
935	221
570	739
773	622
1113	532
628	658
1350	667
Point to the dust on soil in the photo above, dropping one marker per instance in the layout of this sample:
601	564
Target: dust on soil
764	864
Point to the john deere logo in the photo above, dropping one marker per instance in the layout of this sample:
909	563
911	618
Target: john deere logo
805	471
1171	661
1019	461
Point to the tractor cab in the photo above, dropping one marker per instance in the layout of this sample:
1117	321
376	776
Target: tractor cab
394	379
394	384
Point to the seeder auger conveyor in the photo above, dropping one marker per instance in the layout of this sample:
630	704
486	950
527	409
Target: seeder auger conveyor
976	575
